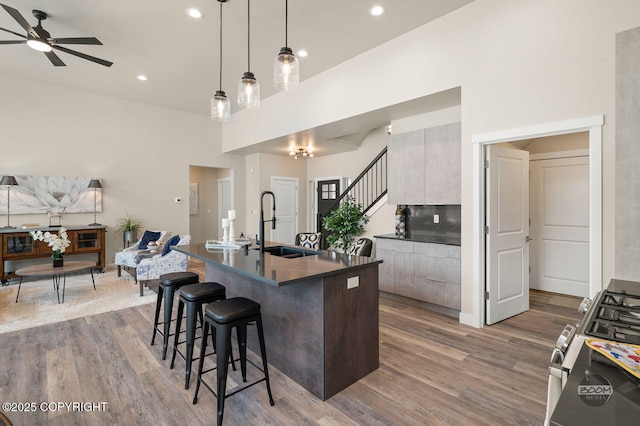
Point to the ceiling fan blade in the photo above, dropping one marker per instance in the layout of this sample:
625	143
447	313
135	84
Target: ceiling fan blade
84	56
12	41
76	40
13	32
19	18
55	59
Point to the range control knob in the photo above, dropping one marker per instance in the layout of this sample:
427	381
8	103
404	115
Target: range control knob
565	338
585	305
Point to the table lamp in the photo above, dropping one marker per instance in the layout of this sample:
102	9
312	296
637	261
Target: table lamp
8	181
95	184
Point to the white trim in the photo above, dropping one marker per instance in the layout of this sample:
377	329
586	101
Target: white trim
559	154
593	125
540	130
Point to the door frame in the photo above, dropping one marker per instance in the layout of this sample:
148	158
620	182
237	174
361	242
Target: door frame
314	199
593	125
221	213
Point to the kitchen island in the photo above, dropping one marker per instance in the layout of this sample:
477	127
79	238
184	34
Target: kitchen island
320	310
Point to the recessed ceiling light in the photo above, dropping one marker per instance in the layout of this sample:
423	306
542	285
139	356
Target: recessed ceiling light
303	53
194	13
141	77
376	10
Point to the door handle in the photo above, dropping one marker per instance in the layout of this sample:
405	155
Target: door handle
528	239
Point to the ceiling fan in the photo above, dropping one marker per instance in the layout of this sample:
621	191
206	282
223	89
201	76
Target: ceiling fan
40	39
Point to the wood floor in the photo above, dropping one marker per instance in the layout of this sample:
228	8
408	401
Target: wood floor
432	371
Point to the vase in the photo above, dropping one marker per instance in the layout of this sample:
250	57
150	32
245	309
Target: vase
58	263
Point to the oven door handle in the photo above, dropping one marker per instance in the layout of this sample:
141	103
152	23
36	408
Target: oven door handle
555	368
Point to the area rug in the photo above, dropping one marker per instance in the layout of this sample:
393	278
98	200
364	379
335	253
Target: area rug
38	302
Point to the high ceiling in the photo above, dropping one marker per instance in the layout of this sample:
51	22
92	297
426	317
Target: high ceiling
180	55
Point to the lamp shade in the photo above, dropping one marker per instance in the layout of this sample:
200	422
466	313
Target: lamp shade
286	72
220	107
248	91
8	181
95	184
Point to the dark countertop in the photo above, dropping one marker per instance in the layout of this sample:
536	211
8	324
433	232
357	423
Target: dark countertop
275	270
447	239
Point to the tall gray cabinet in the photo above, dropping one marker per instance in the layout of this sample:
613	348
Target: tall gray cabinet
424	166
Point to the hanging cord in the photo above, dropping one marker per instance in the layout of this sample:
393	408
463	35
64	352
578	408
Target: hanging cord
286	23
220	46
249	35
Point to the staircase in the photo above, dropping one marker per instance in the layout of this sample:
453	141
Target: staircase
367	189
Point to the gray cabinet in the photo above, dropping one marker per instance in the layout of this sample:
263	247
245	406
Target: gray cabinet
406	173
437	274
396	270
422	271
424	166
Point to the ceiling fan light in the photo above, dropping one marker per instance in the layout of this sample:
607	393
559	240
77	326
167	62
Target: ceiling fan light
39	45
248	91
220	107
286	70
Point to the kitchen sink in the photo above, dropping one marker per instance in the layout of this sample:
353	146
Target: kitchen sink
288	252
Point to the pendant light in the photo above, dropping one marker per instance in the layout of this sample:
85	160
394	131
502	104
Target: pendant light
248	87
220	105
286	72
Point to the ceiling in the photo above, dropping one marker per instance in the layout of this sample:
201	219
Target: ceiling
180	55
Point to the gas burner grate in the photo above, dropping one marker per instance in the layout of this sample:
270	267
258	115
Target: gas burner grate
617	317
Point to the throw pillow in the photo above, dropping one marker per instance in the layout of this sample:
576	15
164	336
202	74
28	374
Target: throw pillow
147	238
310	240
171	242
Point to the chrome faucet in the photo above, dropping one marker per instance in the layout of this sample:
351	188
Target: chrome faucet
262	221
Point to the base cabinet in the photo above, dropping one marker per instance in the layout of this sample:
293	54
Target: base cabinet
18	244
423	271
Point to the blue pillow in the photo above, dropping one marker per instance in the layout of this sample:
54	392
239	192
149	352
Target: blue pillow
147	238
172	242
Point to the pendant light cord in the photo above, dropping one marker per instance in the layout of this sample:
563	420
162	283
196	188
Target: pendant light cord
249	35
220	46
286	23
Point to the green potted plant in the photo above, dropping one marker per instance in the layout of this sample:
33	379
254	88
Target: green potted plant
344	224
129	226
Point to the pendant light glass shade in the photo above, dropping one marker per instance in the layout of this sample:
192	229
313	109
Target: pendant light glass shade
220	107
248	87
286	72
249	91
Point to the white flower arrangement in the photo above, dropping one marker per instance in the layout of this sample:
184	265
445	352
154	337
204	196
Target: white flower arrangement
58	243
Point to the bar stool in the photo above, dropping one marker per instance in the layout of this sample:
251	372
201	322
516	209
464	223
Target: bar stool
223	315
169	284
194	296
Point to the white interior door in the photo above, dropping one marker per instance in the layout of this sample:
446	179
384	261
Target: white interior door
286	192
560	225
224	202
507	218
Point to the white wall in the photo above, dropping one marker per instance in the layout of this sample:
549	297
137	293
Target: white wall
518	63
142	153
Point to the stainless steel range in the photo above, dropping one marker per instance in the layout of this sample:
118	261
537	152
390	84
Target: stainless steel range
585	387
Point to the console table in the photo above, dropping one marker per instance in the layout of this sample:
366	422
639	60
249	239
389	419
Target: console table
18	244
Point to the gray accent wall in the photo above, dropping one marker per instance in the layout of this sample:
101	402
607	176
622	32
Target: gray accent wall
627	244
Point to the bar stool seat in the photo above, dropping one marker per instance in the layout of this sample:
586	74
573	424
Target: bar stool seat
169	284
223	316
194	296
